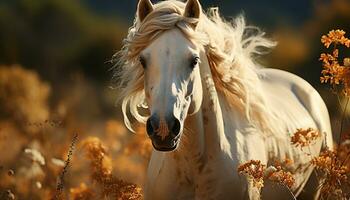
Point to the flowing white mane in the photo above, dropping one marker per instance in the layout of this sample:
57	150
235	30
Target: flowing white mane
230	48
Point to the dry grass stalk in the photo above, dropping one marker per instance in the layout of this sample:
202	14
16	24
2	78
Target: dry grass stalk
333	163
335	174
102	173
60	183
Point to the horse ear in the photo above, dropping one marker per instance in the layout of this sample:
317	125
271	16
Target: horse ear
193	9
144	7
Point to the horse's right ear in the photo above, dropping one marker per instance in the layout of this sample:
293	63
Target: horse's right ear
144	7
193	9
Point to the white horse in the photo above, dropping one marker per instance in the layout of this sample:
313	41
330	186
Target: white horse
208	106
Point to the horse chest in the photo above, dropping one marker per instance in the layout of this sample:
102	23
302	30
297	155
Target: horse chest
194	178
206	177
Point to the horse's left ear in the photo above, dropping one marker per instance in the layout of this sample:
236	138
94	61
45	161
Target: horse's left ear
193	9
144	7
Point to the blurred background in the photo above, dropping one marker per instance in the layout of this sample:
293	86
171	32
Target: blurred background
55	79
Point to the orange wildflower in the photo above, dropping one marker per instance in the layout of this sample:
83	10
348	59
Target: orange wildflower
334	72
336	37
304	137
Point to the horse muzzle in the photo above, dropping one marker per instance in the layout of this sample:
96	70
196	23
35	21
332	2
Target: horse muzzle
164	132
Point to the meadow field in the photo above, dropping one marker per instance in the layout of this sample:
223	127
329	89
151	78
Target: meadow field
61	132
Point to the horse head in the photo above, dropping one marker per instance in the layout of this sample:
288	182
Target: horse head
172	81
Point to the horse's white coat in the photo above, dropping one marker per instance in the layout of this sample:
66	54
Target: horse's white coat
217	138
206	168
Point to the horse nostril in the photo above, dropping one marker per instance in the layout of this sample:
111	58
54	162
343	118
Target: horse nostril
149	127
175	129
152	125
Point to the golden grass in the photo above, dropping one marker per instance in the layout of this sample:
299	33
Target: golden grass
101	173
42	165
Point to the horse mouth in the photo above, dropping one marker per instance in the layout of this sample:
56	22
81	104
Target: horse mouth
165	147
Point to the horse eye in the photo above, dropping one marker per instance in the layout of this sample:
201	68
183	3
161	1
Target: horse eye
142	62
194	62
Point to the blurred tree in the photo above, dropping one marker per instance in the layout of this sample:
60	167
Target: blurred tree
56	37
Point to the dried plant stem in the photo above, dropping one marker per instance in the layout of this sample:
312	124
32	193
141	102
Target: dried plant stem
60	183
291	193
342	120
341	129
346	158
